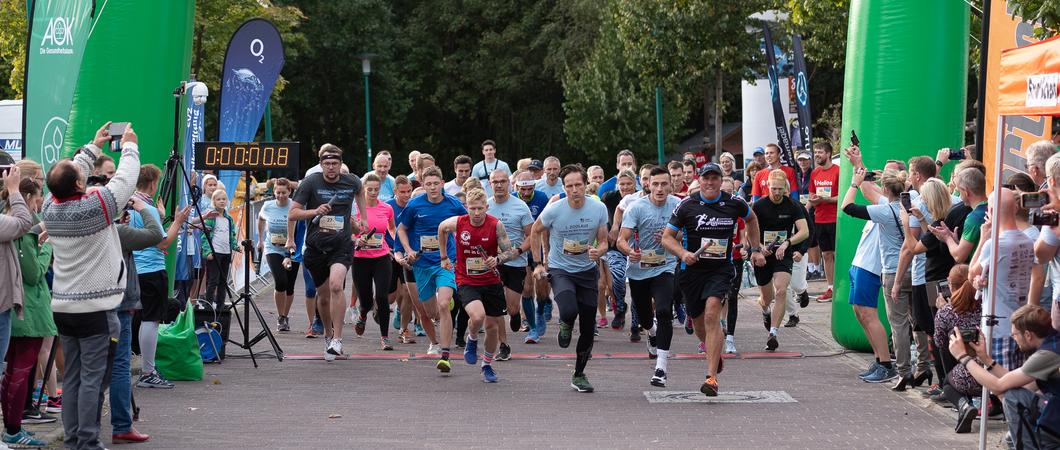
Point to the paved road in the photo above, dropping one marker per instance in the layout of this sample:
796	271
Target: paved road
405	403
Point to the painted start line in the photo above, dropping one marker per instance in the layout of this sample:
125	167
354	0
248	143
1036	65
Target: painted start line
542	356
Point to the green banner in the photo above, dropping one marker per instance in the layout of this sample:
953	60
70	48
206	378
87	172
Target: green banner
58	35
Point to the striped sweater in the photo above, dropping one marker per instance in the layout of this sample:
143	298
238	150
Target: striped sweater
90	272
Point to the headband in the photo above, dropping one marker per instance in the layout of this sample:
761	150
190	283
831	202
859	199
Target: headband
328	156
524	183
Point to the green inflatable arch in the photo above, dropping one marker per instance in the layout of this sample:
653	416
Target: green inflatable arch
904	94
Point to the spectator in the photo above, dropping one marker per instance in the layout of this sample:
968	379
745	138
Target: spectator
89	277
728	167
1035	163
104	166
1031	425
963	310
1049	241
758	155
760	188
550	183
971	185
13	225
489	163
462	168
623	161
33	324
218	244
748	184
806	168
381	168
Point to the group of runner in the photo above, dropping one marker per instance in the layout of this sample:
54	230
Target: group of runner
680	239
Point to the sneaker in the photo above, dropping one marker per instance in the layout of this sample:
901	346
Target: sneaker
524	327
460	342
730	346
318	327
565	333
709	387
419	330
602	322
618	322
767	319
804	299
55	405
283	324
659	379
634	335
881	375
471	351
580	383
505	353
384	343
679	311
548	311
653	351
771	342
434	349
934	389
310	333
405	336
336	347
531	337
22	439
702	348
396	322
444	365
153	380
870	371
328	356
688	327
966	414
488	375
33	417
358	327
793	321
825	297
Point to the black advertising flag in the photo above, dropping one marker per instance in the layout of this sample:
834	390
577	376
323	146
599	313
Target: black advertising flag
802	95
783	139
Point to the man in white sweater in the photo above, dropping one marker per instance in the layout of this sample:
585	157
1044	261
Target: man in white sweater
90	277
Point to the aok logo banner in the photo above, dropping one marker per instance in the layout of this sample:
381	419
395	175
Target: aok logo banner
58	37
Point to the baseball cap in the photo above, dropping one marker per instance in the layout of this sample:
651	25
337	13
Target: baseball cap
536	165
758	150
803	155
710	167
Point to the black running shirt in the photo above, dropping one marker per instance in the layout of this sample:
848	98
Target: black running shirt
708	227
776	222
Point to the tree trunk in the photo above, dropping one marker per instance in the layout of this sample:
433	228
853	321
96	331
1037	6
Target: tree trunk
718	119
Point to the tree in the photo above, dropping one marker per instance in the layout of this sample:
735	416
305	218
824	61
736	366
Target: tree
1043	12
13	29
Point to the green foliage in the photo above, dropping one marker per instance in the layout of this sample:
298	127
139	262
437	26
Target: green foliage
13	30
823	25
1044	12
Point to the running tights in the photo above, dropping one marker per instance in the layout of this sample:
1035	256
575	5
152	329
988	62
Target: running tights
732	299
285	278
575	293
369	273
659	288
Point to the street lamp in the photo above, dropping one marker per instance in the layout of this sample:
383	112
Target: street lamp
366	69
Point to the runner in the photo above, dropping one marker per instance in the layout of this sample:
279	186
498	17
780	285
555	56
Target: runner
760	188
418	232
824	199
515	215
536	201
709	218
272	226
564	238
402	283
614	259
651	268
329	197
617	261
481	244
783	226
728	185
372	262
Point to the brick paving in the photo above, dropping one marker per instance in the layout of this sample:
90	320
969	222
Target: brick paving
406	403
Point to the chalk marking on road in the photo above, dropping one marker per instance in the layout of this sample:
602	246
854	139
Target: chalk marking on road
723	397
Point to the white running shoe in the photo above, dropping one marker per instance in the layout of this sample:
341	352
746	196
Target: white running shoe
730	346
328	356
434	349
336	347
350	316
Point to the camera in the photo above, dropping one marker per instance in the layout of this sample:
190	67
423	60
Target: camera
115	131
970	335
1039	218
957	155
854	139
907	202
1033	200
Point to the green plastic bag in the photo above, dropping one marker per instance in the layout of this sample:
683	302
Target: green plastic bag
177	357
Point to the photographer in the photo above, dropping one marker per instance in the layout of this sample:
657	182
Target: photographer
1048	241
89	277
1031	425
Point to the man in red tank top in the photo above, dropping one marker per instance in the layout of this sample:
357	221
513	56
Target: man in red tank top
481	245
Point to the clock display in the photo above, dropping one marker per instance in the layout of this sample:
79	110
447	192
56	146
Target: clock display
246	156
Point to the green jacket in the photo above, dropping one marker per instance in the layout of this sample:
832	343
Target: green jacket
210	226
36	318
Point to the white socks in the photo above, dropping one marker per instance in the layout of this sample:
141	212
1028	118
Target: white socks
773	331
660	361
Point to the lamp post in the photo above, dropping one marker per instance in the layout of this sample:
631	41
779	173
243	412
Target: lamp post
659	123
366	69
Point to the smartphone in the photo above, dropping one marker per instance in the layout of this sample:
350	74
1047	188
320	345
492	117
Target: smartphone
944	290
4	169
854	139
970	335
957	155
1031	200
907	202
1039	218
872	175
116	130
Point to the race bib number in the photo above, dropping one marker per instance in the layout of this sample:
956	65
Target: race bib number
804	199
373	242
429	243
278	239
332	223
476	266
824	191
774	237
713	248
572	247
652	258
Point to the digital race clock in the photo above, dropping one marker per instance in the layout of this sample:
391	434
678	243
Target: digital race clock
246	156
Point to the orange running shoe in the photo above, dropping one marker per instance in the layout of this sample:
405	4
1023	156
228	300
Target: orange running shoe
709	387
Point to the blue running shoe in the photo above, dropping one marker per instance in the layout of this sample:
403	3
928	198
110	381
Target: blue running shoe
396	323
869	371
488	375
318	326
419	330
542	326
881	375
471	351
548	310
532	337
680	311
22	439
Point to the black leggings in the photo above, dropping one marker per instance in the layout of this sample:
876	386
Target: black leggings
731	298
575	293
369	273
217	279
660	288
285	278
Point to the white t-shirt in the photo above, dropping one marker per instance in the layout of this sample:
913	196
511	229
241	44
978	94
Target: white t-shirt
1013	275
452	188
